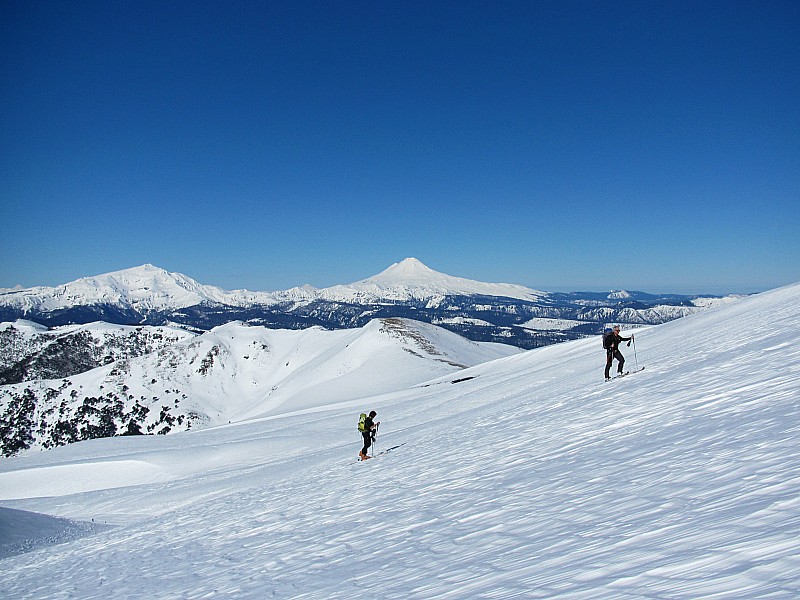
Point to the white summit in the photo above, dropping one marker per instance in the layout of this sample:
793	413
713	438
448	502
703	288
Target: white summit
411	279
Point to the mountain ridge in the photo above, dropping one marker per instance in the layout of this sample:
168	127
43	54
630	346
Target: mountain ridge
499	312
153	287
172	380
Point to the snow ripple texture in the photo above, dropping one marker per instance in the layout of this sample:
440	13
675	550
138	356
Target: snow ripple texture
534	479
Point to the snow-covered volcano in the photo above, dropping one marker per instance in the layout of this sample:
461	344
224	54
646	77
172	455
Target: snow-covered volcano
530	477
410	279
144	288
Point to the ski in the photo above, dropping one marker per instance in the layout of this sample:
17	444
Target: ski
626	373
382	452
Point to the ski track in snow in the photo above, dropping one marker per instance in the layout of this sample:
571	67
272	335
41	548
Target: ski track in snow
535	479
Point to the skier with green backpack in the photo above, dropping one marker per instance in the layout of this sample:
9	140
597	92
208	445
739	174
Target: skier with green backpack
368	427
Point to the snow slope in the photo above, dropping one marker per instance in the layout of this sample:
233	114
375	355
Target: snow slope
533	479
41	353
233	373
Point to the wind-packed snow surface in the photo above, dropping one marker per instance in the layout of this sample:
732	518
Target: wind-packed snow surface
533	479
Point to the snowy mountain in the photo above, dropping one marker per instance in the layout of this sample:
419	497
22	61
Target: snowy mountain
411	280
29	351
143	289
173	380
531	477
619	295
480	311
150	289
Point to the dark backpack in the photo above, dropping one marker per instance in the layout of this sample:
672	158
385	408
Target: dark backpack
362	422
607	334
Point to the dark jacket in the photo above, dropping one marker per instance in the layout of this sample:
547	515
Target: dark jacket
612	340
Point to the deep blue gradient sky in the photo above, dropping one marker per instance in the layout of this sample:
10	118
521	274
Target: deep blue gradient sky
261	145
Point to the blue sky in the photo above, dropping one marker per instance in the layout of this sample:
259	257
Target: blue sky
262	145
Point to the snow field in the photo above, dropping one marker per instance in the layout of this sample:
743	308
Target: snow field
534	479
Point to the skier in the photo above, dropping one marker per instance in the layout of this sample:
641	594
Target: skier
368	433
611	341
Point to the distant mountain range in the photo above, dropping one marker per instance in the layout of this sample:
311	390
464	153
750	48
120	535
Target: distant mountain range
501	312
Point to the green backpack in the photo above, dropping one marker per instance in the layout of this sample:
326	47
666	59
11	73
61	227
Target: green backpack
362	422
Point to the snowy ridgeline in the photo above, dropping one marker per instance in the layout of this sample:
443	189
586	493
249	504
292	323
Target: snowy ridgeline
150	288
530	478
99	380
487	312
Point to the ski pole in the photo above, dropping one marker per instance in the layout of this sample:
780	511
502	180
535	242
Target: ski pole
375	439
636	358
